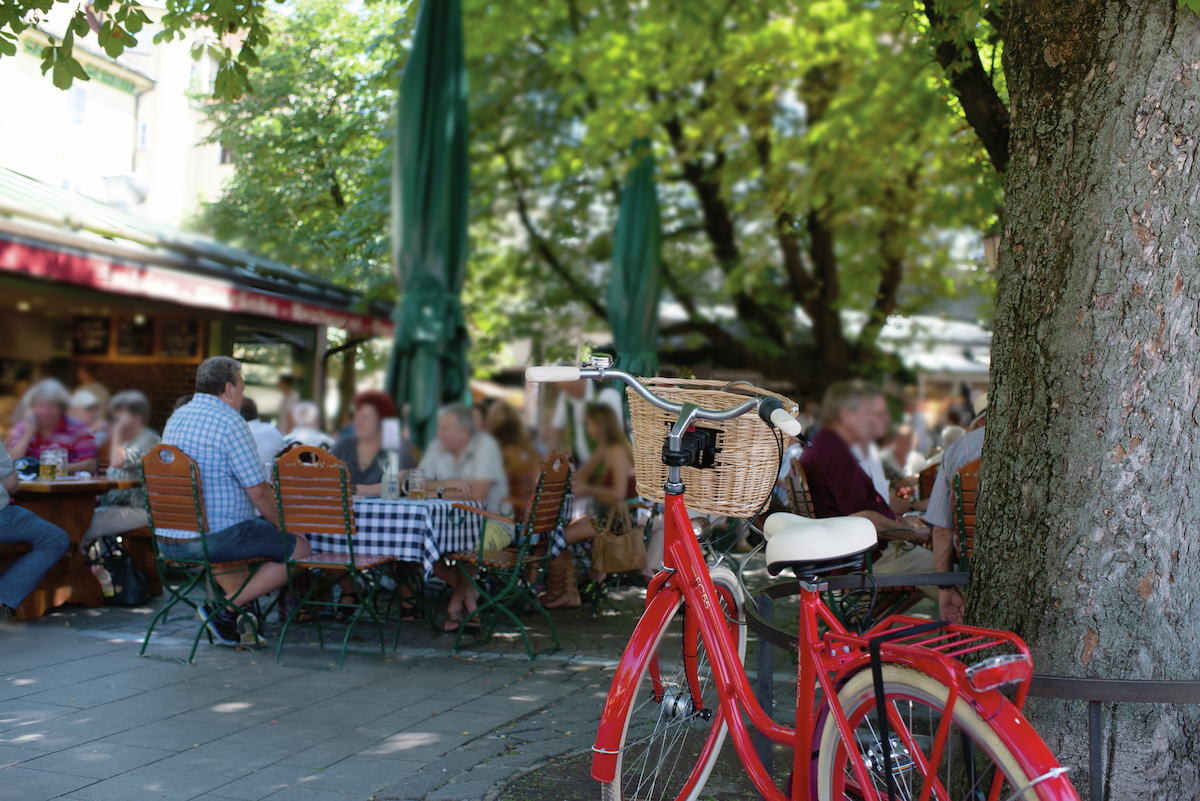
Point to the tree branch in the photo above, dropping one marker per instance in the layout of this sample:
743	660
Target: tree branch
542	246
981	103
719	226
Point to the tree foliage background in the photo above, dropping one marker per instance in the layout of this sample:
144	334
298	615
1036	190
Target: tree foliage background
813	158
810	163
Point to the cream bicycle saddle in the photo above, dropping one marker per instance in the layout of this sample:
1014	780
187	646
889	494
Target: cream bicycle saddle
794	541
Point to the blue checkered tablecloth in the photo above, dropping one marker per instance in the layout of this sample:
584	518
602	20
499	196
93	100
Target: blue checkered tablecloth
413	531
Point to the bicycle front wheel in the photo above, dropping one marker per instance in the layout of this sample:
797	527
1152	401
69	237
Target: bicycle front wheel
973	752
674	729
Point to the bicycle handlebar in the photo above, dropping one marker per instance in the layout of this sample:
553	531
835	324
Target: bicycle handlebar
551	374
770	409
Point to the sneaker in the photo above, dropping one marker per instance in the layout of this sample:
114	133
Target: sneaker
222	632
249	634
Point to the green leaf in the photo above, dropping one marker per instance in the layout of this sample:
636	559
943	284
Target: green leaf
77	70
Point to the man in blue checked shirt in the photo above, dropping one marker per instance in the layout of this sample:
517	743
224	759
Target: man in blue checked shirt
210	429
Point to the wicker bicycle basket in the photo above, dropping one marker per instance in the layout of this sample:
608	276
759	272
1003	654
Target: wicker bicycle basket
747	463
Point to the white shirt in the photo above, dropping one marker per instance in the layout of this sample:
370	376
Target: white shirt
285	411
268	440
608	396
923	439
309	436
872	464
481	460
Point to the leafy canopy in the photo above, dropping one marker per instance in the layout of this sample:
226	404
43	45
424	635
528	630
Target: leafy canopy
311	146
810	158
808	155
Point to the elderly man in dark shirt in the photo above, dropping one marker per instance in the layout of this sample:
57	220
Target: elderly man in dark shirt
841	488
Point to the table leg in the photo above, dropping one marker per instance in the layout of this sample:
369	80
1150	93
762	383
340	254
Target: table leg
70	580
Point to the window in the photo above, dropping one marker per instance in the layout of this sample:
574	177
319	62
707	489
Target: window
226	154
77	102
143	136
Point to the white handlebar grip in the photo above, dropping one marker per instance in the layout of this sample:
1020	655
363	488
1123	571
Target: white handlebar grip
786	423
551	374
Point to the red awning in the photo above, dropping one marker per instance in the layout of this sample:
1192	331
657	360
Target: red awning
175	286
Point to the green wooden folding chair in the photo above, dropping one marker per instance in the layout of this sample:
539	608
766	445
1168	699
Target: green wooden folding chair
175	502
502	577
313	496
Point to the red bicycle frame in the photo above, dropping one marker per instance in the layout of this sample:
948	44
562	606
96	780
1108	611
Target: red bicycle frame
823	661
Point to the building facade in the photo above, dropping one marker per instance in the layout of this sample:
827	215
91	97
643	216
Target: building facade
130	136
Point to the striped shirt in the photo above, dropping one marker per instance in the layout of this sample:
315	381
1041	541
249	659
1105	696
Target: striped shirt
71	435
214	434
940	511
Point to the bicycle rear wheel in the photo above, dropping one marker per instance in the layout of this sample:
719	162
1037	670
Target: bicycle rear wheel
973	753
674	731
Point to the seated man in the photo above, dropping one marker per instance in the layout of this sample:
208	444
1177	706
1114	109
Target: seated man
210	429
463	463
21	525
940	513
46	423
840	487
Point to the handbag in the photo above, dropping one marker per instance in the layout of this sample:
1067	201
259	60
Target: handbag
619	546
129	584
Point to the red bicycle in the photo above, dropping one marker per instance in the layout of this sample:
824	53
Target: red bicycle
893	712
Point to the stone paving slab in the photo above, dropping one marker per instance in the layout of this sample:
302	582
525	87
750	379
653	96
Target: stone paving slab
83	718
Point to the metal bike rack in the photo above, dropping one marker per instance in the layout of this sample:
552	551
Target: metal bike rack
760	618
1101	691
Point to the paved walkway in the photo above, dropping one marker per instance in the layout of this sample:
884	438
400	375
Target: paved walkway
82	717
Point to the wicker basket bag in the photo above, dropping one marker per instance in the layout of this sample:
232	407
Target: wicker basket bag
748	455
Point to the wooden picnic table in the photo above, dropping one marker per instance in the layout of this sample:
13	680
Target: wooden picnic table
69	504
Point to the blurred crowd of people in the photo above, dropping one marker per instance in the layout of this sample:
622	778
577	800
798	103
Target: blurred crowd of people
863	458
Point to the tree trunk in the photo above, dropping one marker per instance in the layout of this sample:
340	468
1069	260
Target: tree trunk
1092	446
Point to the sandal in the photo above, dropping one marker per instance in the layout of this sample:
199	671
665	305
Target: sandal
408	611
453	624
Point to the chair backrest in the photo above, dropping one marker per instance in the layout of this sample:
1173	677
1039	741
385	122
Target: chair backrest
966	490
523	475
171	479
548	496
799	497
927	478
312	493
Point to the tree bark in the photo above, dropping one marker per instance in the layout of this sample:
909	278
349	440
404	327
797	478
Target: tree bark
1086	526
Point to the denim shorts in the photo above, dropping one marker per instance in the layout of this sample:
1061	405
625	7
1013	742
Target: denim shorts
246	540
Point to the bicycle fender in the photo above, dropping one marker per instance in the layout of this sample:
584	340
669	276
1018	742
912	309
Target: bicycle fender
1017	734
641	647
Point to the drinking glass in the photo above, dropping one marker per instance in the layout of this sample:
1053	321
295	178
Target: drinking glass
415	486
48	465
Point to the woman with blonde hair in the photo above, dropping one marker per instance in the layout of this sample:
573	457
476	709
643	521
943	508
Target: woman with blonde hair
521	458
608	478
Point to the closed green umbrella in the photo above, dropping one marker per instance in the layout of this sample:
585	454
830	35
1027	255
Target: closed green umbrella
428	366
633	284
